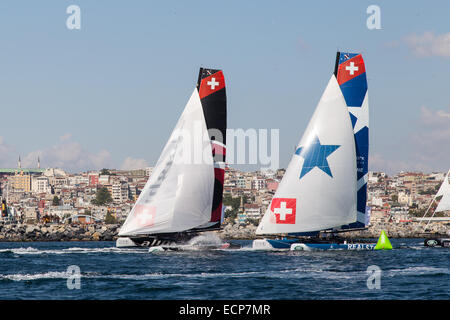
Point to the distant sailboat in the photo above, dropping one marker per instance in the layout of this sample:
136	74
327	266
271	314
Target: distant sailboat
443	205
324	187
183	196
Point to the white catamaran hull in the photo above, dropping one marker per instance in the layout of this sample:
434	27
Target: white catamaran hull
125	243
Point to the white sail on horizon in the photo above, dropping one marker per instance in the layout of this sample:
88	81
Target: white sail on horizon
444	191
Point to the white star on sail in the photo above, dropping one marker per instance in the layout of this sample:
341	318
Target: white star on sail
362	114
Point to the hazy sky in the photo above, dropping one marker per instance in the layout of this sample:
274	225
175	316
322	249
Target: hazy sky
109	94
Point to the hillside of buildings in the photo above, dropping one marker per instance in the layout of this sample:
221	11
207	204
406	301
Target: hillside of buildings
103	199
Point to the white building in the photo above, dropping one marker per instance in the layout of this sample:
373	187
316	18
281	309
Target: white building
252	210
120	192
258	183
51	172
78	179
40	184
62	212
58	181
241	183
404	198
103	179
373	177
377	201
30	215
399	214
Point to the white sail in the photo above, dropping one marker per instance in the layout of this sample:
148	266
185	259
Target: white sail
178	195
318	190
444	191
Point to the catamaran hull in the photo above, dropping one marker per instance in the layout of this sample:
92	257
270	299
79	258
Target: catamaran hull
187	247
171	242
125	242
435	242
332	246
296	245
270	244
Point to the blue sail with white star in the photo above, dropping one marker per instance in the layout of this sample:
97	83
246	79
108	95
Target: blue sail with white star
350	72
318	189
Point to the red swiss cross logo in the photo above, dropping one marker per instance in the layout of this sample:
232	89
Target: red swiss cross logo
145	215
350	69
284	210
211	84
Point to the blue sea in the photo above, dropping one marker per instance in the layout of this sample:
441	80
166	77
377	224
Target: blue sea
98	270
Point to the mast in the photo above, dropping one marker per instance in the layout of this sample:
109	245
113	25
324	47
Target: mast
212	92
350	72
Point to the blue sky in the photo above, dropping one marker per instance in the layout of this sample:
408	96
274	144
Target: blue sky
109	94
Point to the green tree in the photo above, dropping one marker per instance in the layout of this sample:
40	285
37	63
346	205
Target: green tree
235	203
110	219
102	197
55	201
104	171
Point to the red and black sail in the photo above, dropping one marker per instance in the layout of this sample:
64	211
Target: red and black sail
211	89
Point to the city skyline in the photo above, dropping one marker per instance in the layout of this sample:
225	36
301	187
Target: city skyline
108	95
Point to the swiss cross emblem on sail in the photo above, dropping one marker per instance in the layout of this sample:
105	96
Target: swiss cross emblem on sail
350	69
211	84
144	214
284	210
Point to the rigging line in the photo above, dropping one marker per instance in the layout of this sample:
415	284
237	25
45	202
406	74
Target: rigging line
420	222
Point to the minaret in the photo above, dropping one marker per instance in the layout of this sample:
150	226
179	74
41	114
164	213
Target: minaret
19	165
39	163
241	207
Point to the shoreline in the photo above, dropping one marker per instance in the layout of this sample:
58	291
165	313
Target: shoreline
109	232
58	233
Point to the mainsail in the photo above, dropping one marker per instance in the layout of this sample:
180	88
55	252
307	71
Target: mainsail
318	190
183	193
350	72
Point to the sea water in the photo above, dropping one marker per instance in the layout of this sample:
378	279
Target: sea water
99	270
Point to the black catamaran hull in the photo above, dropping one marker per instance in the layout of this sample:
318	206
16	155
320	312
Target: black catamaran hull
147	241
170	241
